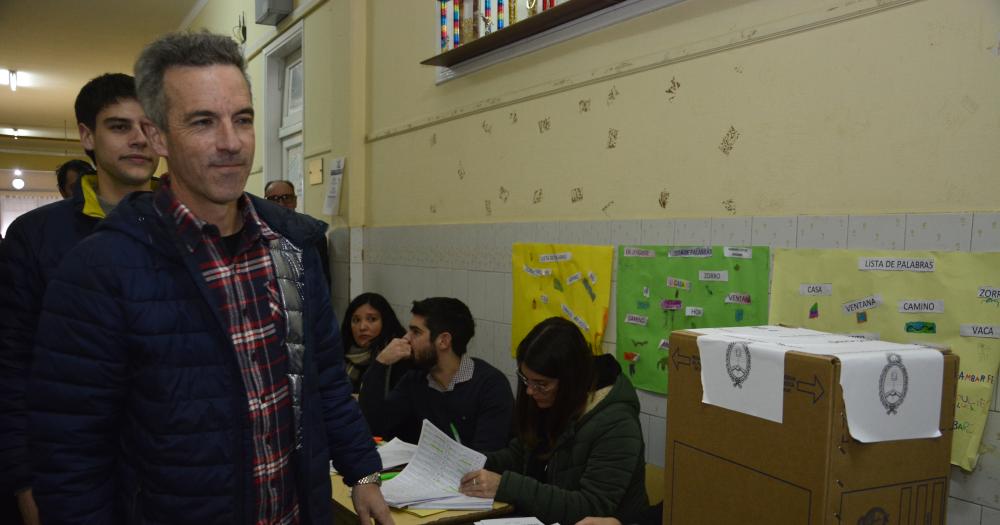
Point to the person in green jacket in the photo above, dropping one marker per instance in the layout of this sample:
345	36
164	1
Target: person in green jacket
578	448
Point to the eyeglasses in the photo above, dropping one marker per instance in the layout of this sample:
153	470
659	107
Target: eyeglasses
281	198
541	387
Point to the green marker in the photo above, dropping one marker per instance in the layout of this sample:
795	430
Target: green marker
386	476
454	432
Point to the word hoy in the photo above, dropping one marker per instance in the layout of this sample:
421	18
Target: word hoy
895	264
924	307
862	304
694	311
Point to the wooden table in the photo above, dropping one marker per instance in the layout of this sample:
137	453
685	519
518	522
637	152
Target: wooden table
344	514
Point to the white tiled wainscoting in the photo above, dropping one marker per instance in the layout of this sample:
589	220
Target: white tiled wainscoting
472	262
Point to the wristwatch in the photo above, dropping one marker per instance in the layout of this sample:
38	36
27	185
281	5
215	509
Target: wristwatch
373	478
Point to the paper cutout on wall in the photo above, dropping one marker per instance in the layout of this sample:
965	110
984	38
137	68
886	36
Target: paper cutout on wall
685	287
931	280
561	280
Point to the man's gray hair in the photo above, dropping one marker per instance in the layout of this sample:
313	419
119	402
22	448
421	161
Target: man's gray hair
180	49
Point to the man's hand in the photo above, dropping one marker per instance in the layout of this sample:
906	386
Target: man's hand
397	350
480	484
29	512
369	504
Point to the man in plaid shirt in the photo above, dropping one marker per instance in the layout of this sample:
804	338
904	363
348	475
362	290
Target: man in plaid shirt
190	369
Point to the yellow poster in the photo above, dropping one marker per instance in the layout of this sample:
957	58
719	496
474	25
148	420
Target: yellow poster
561	280
941	299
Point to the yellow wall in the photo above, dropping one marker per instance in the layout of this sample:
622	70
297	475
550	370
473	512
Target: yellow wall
326	37
867	106
892	111
325	131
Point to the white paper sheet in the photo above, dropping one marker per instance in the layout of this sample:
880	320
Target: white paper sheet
434	472
891	391
877	410
742	375
511	521
460	502
331	206
396	452
761	333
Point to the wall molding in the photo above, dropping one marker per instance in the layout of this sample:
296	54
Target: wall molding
832	13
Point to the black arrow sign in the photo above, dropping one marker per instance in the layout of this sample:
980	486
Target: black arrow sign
815	388
678	359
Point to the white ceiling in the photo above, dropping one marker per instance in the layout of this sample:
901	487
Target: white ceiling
58	45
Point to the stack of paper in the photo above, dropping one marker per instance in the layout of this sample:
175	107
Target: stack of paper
459	502
396	452
432	477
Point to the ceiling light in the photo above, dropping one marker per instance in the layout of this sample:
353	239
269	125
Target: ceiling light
4	77
17	172
18	184
15	134
13	80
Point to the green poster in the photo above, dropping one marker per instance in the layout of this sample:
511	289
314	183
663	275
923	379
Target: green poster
667	288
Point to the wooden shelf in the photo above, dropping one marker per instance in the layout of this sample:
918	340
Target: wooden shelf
520	30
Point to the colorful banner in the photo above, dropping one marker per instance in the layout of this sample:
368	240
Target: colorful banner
942	299
561	280
663	288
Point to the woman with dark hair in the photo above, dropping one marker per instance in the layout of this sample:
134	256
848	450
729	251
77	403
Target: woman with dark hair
578	448
369	325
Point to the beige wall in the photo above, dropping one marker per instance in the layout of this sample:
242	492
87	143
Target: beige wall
326	45
844	108
894	111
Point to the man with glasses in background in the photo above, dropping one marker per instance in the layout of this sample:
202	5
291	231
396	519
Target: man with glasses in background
281	192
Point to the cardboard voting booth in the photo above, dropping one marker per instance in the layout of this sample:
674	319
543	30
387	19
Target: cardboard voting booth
802	462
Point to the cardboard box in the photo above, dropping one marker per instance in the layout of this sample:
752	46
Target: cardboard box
725	467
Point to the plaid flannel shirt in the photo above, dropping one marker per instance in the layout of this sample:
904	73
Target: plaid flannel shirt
252	309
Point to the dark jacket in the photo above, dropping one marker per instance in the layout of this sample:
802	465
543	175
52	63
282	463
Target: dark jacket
138	410
479	409
36	243
393	373
596	468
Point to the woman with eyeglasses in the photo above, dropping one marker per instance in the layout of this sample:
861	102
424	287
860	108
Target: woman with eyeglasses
370	323
578	448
